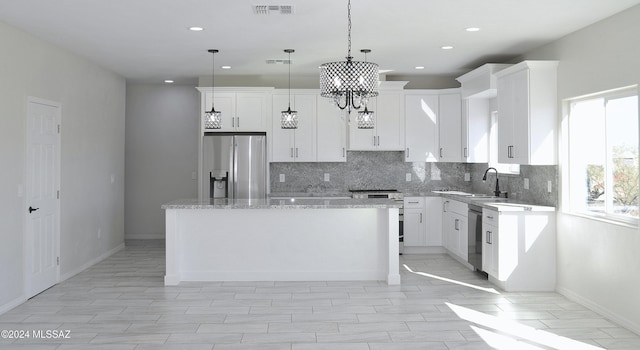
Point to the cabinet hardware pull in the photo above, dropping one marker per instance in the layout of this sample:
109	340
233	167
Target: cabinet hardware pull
440	152
489	237
414	202
296	152
343	155
407	155
374	140
238	121
420	217
444	206
378	140
489	217
291	152
456	226
465	152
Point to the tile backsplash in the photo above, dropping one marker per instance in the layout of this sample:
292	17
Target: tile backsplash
388	170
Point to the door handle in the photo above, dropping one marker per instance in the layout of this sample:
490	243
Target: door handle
31	210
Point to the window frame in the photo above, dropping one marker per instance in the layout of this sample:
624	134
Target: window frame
567	200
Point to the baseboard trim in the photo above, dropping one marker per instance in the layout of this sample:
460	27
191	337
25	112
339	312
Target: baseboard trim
145	236
423	250
624	322
76	271
11	304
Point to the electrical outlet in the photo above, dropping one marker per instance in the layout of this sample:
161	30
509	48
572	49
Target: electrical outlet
549	186
526	183
407	177
281	177
467	177
327	177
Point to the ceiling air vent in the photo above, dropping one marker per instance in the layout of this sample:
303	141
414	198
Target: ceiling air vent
273	9
279	62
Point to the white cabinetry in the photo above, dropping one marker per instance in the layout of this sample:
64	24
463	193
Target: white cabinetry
421	126
294	145
388	133
520	249
415	228
476	122
331	129
480	82
449	120
455	228
243	109
422	225
527	107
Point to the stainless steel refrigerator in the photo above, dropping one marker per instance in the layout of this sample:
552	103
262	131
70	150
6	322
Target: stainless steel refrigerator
234	165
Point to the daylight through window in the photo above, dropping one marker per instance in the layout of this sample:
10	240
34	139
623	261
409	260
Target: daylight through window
603	155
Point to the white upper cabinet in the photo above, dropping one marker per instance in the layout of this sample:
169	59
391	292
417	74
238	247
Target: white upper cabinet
331	130
480	82
243	109
421	126
450	118
527	109
294	145
476	123
388	133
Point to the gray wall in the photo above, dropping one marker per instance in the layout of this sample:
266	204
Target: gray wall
92	150
162	127
598	262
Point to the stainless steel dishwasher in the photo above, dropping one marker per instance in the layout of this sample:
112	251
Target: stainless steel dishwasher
475	237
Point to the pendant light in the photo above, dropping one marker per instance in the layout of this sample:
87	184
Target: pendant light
365	118
213	118
289	118
350	83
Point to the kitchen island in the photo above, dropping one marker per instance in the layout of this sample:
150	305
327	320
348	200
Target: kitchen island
282	240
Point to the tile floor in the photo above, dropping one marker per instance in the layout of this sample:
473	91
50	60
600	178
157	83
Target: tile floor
121	303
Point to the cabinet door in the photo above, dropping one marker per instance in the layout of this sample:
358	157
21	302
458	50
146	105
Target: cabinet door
449	121
521	127
433	221
414	228
476	120
363	139
505	119
250	112
490	249
421	128
282	140
226	103
390	121
463	237
305	134
331	132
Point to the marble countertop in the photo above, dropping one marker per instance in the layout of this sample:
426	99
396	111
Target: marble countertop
293	203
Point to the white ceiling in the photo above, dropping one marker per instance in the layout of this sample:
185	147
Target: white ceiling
148	40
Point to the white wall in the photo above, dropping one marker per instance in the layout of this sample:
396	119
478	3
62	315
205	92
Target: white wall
162	127
92	149
599	263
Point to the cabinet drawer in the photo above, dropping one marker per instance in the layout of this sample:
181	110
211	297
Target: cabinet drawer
413	202
458	207
490	217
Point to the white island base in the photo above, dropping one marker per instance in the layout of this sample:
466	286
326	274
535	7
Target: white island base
327	244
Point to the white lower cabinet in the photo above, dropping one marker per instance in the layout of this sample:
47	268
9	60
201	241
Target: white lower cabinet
455	228
519	249
422	224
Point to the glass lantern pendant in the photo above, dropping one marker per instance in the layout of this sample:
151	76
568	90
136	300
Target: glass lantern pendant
366	119
213	118
289	118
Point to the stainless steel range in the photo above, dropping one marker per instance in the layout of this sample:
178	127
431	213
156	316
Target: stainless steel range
390	194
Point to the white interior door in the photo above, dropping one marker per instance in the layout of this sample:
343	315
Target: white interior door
43	211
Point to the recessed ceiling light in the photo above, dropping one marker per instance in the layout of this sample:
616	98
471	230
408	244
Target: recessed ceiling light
446	47
168	81
225	67
196	29
419	67
472	29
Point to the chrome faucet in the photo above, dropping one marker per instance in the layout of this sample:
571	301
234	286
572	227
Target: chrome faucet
484	178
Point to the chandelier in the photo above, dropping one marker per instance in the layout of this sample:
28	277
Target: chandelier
350	83
213	118
289	118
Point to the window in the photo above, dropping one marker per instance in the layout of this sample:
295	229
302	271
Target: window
510	169
603	155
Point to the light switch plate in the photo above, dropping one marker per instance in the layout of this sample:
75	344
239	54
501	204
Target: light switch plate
407	177
467	177
526	183
327	177
281	177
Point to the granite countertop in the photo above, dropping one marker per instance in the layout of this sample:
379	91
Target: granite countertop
269	203
489	202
